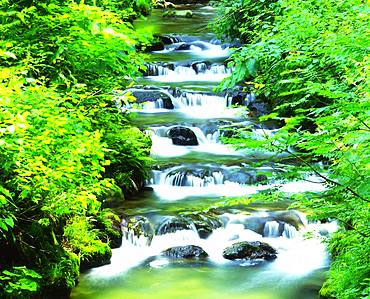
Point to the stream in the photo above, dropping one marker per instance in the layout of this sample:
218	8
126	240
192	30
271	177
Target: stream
194	169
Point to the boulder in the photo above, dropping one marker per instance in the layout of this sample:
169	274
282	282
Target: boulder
178	13
152	95
96	255
182	136
205	223
185	252
249	250
171	224
168	39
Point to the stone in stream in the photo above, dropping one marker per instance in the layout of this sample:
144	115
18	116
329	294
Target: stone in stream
249	250
205	223
152	95
178	13
182	136
172	224
185	252
168	39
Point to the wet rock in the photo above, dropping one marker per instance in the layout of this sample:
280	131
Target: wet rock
249	250
182	136
172	224
178	13
183	47
244	97
185	252
98	255
205	223
291	217
200	66
168	39
242	177
109	226
139	226
164	4
152	95
155	46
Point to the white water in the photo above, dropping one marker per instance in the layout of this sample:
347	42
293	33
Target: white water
296	255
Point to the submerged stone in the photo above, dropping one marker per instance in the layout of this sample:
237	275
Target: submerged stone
249	250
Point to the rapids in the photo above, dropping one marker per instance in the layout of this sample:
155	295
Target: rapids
177	91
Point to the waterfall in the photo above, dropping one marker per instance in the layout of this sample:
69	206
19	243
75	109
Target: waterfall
271	229
290	231
191	180
202	100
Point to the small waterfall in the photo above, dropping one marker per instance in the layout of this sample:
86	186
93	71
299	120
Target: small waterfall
140	241
191	99
218	69
271	229
290	231
185	179
186	70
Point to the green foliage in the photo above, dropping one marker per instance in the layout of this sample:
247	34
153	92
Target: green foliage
70	43
20	281
312	66
63	143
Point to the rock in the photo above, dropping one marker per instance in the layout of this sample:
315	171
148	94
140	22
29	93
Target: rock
172	224
200	66
138	226
185	252
205	223
183	47
168	39
243	97
109	226
97	255
152	95
164	4
249	250
182	136
156	46
178	13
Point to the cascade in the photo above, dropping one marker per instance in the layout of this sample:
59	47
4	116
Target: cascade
176	95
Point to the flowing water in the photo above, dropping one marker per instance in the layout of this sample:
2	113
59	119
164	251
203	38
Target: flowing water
185	118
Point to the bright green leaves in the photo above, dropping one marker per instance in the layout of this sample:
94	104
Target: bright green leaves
314	70
20	281
71	43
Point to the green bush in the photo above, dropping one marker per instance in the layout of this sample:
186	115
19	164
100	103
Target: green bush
58	132
309	60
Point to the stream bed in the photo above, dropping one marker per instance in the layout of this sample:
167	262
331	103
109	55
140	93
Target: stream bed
186	119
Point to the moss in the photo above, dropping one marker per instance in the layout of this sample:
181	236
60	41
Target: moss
109	225
95	255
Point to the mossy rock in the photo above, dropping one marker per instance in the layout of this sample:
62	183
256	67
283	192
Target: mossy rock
178	13
95	255
185	252
109	225
249	250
